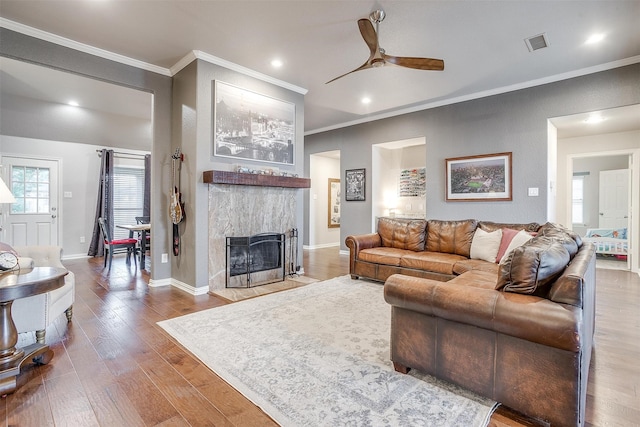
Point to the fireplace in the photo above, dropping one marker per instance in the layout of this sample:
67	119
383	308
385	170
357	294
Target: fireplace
255	260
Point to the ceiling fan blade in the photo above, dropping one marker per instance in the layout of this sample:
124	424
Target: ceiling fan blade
417	63
362	67
369	35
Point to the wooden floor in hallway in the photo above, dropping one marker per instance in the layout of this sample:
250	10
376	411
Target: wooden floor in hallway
114	366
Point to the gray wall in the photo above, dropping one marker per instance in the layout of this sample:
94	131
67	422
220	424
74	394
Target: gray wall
21	47
192	123
515	122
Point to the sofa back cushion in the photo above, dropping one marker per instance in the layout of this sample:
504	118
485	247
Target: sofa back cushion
402	233
532	266
569	288
568	238
451	237
492	226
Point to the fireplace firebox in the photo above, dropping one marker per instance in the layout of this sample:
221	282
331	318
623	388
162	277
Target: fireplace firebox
255	260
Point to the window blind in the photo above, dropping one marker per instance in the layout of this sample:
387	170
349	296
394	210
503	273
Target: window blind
128	197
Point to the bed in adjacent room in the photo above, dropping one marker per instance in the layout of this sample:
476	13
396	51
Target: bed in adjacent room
609	241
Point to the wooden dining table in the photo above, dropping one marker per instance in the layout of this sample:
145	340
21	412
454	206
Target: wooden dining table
143	229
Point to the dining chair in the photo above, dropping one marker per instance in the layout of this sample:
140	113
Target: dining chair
111	245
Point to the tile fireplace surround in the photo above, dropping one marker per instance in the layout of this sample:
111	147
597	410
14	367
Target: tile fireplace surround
245	210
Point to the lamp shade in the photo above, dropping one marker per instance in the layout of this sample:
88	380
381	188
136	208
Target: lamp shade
5	194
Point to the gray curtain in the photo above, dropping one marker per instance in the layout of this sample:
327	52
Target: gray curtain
146	207
104	206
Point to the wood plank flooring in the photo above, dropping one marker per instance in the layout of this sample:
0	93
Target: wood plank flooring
114	366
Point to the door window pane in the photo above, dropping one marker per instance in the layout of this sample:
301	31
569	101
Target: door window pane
31	187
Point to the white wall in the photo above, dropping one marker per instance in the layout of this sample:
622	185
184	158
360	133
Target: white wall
387	165
569	148
320	235
79	170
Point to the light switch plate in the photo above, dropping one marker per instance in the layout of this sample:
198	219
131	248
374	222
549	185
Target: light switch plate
533	191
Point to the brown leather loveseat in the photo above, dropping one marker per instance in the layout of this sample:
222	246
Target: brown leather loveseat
519	331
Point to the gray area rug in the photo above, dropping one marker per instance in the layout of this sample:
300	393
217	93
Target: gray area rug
319	356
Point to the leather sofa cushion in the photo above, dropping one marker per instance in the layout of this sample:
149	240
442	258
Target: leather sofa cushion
492	226
477	279
570	240
451	237
528	268
431	261
402	233
465	265
387	256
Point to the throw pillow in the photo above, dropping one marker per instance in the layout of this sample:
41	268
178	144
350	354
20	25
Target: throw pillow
507	236
518	240
485	245
4	247
530	267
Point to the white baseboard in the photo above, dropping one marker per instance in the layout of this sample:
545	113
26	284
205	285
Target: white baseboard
326	245
200	290
75	256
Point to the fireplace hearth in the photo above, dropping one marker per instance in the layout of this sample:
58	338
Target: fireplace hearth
255	260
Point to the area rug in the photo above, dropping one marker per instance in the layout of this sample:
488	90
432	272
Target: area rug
239	294
318	355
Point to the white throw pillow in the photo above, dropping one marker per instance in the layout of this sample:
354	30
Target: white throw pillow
518	240
485	245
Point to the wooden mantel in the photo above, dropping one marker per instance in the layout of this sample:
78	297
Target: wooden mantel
235	178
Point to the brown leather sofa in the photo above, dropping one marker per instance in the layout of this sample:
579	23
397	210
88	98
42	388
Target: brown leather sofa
519	332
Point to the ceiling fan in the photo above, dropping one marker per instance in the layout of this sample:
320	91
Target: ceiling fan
379	58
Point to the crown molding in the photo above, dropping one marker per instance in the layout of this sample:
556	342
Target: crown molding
483	94
242	70
72	44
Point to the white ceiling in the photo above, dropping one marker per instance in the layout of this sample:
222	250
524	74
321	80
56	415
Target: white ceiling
481	42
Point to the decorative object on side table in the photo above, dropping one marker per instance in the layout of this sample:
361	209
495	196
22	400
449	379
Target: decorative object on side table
479	178
333	213
355	184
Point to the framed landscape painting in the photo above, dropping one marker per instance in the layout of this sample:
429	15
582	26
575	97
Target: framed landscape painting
251	126
479	178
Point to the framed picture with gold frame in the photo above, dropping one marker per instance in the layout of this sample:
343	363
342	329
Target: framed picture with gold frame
333	193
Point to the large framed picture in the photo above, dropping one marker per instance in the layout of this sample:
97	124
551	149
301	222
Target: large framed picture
333	213
479	178
355	180
250	126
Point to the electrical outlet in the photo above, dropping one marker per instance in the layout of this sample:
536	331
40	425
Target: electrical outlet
165	258
81	239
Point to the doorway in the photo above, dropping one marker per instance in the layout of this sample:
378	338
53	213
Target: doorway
325	200
33	218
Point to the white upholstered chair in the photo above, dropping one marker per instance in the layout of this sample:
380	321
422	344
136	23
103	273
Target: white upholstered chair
37	312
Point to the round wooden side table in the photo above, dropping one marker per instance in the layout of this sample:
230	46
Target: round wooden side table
14	285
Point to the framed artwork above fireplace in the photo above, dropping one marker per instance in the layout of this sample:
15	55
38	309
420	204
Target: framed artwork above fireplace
251	126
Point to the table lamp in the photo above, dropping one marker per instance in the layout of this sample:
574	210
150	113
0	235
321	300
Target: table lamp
5	194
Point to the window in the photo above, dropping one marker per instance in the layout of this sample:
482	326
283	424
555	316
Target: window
30	187
128	197
577	192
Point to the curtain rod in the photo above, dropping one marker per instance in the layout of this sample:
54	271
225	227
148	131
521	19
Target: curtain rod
122	154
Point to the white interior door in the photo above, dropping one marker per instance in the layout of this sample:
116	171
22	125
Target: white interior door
614	199
33	219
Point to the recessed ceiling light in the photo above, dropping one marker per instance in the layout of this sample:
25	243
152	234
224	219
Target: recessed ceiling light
276	63
73	103
366	100
595	38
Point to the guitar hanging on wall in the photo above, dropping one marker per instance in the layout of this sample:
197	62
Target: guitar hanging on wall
176	206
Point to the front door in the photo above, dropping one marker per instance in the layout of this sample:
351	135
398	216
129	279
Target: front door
33	218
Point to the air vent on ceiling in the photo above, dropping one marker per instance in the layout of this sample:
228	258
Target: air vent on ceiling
536	42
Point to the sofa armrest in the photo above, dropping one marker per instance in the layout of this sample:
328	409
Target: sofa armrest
43	256
527	317
359	242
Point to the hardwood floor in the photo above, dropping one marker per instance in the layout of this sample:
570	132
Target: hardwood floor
113	366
